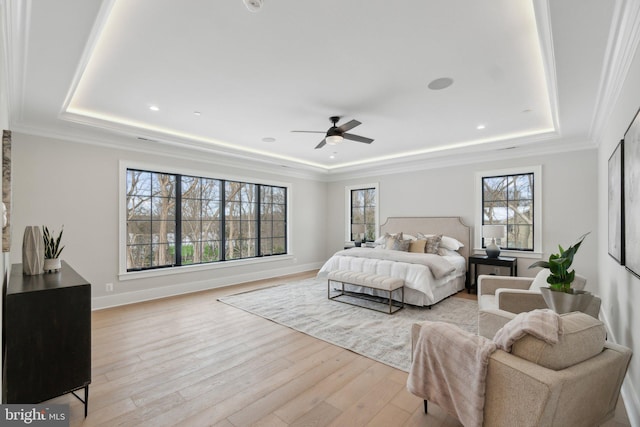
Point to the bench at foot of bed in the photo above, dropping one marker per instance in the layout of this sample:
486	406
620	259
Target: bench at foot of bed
366	280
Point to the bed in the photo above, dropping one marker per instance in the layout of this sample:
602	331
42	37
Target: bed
424	285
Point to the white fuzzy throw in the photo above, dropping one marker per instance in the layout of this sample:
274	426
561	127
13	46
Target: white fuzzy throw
544	324
449	369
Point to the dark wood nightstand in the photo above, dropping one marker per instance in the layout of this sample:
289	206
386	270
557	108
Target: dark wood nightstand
502	261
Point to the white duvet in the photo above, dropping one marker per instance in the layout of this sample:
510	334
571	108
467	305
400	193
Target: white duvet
415	276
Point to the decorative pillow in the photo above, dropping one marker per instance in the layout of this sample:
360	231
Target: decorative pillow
417	246
432	244
380	240
582	338
397	244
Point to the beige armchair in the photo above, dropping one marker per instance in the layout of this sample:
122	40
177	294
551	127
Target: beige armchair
575	382
500	298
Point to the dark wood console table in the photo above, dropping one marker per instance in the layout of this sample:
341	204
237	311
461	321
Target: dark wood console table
46	336
503	261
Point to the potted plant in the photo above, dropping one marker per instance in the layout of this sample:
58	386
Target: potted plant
52	249
560	296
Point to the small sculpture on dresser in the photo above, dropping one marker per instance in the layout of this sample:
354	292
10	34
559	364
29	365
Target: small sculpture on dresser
32	251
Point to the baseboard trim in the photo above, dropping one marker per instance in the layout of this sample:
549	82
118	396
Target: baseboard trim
109	301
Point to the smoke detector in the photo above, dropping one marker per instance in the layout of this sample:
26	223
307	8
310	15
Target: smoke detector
253	5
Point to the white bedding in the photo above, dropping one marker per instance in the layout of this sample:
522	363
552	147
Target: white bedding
417	277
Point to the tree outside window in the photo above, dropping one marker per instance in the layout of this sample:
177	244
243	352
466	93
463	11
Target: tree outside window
508	200
175	220
363	211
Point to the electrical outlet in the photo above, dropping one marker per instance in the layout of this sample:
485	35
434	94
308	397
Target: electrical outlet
109	287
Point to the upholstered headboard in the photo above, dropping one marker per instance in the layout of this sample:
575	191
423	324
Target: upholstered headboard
448	226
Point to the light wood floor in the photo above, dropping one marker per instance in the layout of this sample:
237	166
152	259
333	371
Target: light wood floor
193	361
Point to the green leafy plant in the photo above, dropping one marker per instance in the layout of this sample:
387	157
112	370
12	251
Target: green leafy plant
52	247
561	278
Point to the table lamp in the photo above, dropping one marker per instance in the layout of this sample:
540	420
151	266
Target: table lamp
493	232
358	231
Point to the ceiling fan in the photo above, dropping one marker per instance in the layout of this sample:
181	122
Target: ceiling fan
336	134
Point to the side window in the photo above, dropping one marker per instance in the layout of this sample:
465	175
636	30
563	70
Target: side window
362	216
508	200
511	198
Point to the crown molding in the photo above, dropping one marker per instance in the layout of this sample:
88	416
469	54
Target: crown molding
545	39
174	150
16	39
622	45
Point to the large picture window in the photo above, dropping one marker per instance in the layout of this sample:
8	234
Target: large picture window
509	200
175	220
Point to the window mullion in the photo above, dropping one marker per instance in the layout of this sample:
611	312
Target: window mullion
258	251
178	220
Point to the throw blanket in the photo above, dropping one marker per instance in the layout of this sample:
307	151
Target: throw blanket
439	266
544	324
449	368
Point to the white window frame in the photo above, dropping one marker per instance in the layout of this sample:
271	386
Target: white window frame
123	274
537	210
347	203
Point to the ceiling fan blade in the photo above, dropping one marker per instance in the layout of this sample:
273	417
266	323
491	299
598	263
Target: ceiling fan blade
322	143
310	131
348	126
357	138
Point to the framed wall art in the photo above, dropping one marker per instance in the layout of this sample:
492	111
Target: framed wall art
6	190
616	203
631	171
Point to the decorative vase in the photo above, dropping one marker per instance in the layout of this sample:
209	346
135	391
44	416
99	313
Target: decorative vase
52	265
32	251
562	302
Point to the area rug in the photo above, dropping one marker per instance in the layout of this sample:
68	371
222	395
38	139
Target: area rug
303	306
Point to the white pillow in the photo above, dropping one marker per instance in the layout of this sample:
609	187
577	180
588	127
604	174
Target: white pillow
447	252
450	243
540	281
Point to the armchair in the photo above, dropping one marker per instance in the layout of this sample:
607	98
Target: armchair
575	382
500	298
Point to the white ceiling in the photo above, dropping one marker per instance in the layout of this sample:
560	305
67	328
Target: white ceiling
529	71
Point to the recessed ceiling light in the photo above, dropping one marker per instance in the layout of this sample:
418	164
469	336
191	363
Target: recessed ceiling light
441	83
480	127
333	156
154	108
197	113
268	139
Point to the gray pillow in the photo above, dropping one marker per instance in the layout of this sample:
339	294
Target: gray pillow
396	243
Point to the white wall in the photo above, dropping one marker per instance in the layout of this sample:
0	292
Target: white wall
569	205
59	183
619	289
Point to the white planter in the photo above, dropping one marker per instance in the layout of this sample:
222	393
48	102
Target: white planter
562	302
52	264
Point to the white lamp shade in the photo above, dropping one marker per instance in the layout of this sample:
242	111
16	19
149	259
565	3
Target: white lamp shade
357	228
494	231
333	139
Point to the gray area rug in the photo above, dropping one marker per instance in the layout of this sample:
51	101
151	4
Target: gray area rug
303	306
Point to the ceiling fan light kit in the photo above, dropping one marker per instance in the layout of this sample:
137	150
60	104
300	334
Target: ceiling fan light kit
334	139
336	134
